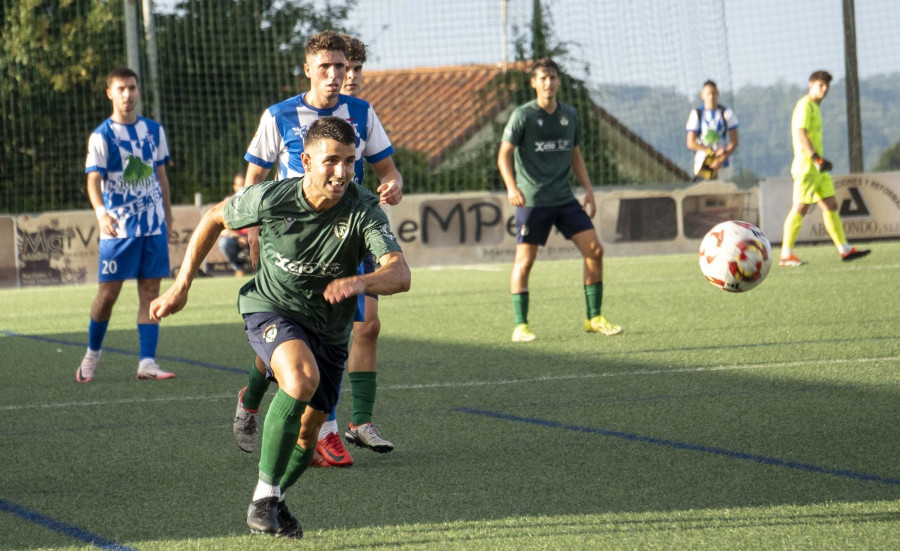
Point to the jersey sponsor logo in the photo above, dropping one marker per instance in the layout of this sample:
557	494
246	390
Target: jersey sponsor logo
342	228
552	145
314	269
137	174
386	232
236	200
270	332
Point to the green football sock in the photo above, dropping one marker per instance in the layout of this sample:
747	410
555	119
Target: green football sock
280	431
362	389
298	464
520	307
256	389
593	298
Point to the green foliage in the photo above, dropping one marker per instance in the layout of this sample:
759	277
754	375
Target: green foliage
53	58
890	159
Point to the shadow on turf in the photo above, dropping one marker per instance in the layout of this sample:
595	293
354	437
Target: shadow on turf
104	465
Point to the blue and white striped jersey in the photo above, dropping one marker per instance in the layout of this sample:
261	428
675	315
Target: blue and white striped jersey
126	156
283	126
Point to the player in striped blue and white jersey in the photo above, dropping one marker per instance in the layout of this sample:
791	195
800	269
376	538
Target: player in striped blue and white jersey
129	191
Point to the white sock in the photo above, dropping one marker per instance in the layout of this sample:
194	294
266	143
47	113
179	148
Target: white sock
786	252
327	428
95	353
845	248
145	362
264	489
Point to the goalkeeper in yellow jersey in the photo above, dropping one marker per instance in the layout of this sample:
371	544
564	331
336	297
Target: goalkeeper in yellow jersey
812	181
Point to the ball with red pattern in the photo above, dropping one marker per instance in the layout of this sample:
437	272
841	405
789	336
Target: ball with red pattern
735	256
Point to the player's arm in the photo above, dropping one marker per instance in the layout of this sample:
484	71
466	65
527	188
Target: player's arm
693	142
393	276
107	223
202	241
255	175
508	173
166	197
723	154
391	189
579	169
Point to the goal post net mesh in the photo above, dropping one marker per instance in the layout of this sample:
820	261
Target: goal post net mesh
633	71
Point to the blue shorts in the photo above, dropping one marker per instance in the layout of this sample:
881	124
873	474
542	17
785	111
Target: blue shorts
267	330
134	258
367	267
533	224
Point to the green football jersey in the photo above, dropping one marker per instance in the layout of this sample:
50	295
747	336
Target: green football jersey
543	158
301	251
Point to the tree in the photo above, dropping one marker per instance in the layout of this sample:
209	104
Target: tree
51	53
890	159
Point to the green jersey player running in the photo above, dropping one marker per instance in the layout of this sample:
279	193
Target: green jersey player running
298	309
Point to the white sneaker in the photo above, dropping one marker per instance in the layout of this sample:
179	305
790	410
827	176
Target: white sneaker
85	373
149	371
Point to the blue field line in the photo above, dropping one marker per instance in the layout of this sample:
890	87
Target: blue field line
61	527
687	446
127	352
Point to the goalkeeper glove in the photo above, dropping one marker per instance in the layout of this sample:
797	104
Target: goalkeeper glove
822	165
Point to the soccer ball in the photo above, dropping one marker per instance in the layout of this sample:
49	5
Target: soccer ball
735	256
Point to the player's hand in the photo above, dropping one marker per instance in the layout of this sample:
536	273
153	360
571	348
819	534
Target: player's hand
589	205
516	197
168	303
390	193
823	165
108	225
344	288
253	242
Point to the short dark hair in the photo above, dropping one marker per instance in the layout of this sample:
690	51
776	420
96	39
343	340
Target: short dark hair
709	83
122	73
544	64
356	49
330	128
325	41
823	76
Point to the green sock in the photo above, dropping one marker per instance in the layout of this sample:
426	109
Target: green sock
362	389
256	389
298	464
280	431
593	298
520	307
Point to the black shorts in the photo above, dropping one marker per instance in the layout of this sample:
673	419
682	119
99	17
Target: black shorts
533	224
266	330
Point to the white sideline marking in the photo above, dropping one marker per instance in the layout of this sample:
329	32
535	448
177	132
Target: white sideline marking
461	384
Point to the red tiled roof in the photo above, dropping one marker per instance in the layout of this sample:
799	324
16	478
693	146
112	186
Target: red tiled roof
431	110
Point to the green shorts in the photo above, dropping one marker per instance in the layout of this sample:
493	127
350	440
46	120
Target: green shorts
812	187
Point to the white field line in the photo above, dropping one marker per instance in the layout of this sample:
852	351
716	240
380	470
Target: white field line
463	384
